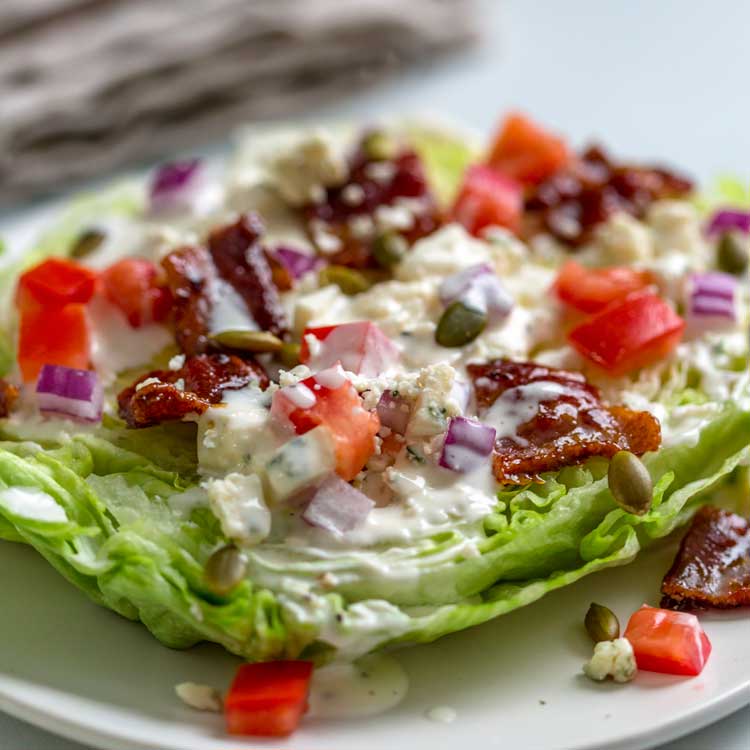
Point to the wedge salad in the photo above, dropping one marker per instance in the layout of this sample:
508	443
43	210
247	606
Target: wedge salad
366	386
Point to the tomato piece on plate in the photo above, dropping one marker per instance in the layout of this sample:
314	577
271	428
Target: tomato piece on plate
134	285
268	699
330	399
591	289
526	152
56	282
667	641
53	336
488	198
639	330
360	347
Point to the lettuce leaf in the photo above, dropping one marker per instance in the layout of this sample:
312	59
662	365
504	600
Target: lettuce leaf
135	541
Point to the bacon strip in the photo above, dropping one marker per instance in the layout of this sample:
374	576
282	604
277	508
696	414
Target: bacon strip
189	275
240	259
164	395
553	418
712	567
8	397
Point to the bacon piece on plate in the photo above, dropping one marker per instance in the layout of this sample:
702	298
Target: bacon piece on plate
164	395
547	419
240	259
712	567
189	275
8	397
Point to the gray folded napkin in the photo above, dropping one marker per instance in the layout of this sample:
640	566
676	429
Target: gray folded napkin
88	85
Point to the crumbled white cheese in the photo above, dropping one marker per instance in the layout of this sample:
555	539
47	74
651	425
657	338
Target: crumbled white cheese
353	195
179	384
177	362
293	376
237	501
327	300
436	401
199	697
676	227
623	239
613	659
147	381
393	218
361	226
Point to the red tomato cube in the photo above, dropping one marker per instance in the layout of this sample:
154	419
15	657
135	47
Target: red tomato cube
591	289
668	642
488	198
360	347
53	336
526	152
329	399
634	332
268	699
56	282
134	285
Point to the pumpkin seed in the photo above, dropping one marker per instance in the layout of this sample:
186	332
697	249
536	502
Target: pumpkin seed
601	623
347	279
248	341
225	569
732	252
379	146
630	483
459	324
87	242
389	248
289	354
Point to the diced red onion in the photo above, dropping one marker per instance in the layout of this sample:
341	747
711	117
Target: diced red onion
68	392
297	263
702	304
393	412
727	220
713	284
337	507
479	287
468	444
176	185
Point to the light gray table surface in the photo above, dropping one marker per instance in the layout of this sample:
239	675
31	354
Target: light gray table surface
665	79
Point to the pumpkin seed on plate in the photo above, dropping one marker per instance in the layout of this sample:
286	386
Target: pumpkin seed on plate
225	569
289	354
601	623
87	242
733	252
389	248
248	341
630	483
459	324
347	279
379	146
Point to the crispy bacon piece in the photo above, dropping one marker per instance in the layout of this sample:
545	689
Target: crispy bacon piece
189	275
550	418
8	397
712	567
164	395
240	259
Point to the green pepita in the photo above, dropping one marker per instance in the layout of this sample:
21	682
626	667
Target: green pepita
225	569
379	146
459	324
630	483
248	341
601	623
87	242
733	252
348	280
389	248
289	354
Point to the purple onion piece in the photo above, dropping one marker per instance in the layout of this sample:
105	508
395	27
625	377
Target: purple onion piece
337	507
713	284
704	305
65	391
175	186
296	262
479	287
468	444
394	412
727	220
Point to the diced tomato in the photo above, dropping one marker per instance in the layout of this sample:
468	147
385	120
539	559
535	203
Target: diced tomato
527	153
329	399
488	198
639	330
53	336
591	289
268	699
56	282
134	285
359	347
667	641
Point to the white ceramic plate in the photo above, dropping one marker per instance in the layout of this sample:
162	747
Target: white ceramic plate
83	672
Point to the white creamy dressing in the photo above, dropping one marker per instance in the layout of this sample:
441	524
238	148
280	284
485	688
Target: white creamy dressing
229	311
32	504
367	687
